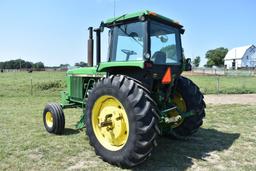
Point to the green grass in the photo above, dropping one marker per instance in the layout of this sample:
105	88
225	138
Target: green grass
225	142
49	83
15	84
227	84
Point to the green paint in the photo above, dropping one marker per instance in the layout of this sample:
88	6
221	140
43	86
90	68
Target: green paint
80	124
84	71
100	71
64	98
105	65
68	85
139	14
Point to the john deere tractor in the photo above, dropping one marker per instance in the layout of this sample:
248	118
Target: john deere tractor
137	94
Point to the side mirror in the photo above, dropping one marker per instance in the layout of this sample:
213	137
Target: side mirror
102	26
163	38
188	66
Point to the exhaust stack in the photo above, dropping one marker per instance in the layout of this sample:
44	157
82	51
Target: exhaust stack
98	48
90	48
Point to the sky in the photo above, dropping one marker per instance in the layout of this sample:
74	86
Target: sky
56	31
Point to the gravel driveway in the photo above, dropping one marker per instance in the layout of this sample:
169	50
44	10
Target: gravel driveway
231	99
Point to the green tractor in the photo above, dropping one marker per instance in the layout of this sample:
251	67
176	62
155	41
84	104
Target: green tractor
137	94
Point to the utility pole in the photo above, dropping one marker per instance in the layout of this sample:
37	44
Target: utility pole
20	64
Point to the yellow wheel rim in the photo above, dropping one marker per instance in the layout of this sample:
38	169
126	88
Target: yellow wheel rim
181	105
49	119
110	122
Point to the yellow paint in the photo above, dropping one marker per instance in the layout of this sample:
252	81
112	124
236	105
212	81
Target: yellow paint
108	109
181	105
49	119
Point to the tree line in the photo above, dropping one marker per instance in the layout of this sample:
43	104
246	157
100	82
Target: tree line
21	64
215	57
77	64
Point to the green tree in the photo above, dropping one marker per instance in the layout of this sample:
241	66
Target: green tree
20	63
196	61
64	65
2	65
28	64
38	65
10	65
77	64
215	57
81	64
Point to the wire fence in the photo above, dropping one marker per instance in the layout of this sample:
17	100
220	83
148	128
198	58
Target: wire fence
210	81
220	81
223	71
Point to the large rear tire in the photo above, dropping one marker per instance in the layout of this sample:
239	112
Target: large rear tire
194	101
121	121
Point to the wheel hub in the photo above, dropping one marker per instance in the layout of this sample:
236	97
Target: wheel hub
110	122
49	119
179	102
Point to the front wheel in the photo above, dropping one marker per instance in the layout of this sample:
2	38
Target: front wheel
54	119
188	98
121	121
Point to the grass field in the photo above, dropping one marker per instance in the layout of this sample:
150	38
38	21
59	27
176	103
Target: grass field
42	83
227	140
227	84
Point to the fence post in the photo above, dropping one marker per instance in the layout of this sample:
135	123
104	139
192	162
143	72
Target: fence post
218	84
31	86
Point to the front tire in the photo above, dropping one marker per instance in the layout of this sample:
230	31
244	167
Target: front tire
121	121
194	101
54	119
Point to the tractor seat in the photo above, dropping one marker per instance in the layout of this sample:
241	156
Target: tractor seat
159	57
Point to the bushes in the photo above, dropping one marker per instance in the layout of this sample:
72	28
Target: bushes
50	85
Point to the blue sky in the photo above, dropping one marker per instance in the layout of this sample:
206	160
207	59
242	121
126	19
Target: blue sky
55	31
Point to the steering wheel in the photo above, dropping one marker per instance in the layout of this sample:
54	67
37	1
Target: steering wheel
128	53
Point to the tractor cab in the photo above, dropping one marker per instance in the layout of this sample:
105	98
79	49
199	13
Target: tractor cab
145	37
142	45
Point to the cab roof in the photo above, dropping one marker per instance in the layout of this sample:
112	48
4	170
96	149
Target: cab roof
133	16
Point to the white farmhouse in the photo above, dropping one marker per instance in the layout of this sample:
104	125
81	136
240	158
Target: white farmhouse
241	57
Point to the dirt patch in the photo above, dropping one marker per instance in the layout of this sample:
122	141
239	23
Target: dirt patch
83	165
35	154
231	99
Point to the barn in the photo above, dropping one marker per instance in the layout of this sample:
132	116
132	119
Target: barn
241	57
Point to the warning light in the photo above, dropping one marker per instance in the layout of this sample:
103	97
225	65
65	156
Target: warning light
167	78
152	13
